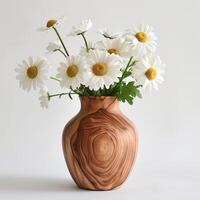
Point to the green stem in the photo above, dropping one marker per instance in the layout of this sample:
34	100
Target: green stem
59	94
133	63
53	78
76	91
61	41
86	44
123	74
61	52
115	88
108	37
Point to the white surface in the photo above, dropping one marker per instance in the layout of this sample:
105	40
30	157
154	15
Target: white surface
31	161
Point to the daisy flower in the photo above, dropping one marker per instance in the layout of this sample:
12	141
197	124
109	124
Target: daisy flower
143	39
32	74
148	72
44	97
84	26
71	72
104	70
108	34
91	46
53	46
52	23
117	47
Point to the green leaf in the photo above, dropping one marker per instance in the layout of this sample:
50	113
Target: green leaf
128	91
127	74
138	94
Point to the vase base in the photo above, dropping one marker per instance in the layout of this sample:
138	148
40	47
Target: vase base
99	189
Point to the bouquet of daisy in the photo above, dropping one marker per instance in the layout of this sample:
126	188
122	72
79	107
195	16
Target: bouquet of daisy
120	65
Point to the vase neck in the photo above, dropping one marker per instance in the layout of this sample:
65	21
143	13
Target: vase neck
93	103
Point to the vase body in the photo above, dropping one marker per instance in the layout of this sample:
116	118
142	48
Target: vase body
99	144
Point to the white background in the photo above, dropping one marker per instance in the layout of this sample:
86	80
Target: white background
31	160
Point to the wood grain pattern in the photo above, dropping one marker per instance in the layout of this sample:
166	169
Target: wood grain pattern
99	144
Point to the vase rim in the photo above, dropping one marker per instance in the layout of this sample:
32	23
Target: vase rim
98	97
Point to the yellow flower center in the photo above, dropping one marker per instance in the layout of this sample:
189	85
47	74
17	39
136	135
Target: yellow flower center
151	73
113	50
51	23
100	69
32	72
72	70
142	37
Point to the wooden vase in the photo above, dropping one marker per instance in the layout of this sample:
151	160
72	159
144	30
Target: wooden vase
99	144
